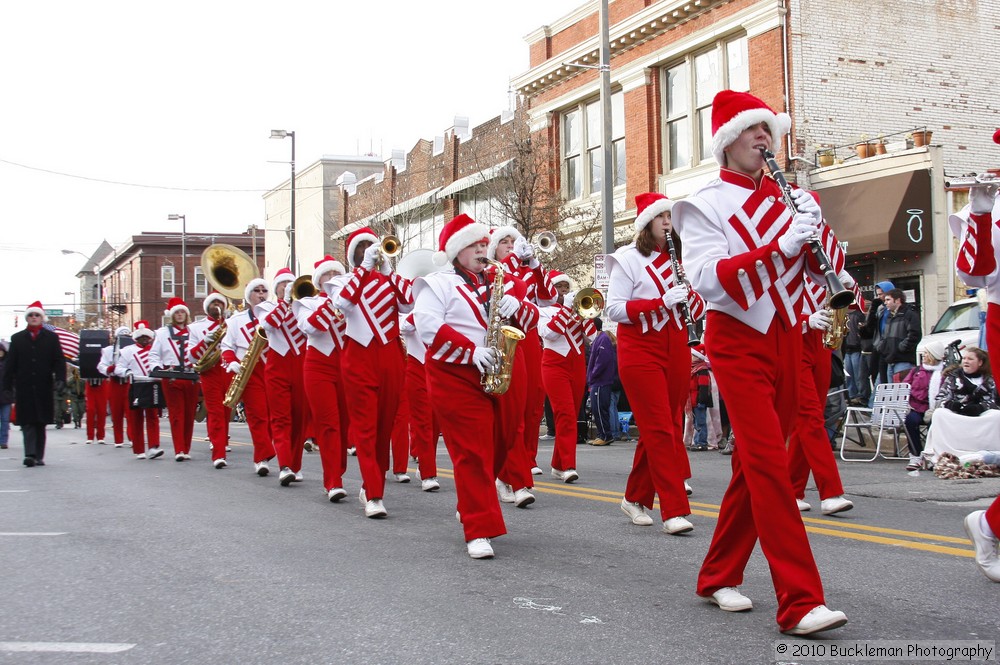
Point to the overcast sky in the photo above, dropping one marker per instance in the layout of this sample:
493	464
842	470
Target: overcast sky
175	103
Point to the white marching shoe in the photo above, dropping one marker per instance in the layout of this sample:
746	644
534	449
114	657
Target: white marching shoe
835	504
677	525
504	491
480	548
803	505
729	599
430	484
818	619
336	494
523	498
636	513
374	508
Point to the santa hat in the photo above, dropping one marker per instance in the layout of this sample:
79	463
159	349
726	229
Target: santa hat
35	308
355	239
142	330
498	234
214	297
456	235
175	305
556	276
325	265
648	206
282	276
732	112
996	136
123	330
254	283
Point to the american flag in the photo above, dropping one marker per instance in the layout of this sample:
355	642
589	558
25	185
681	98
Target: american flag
69	341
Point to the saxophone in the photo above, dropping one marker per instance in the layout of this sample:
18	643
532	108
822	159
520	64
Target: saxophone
834	336
239	382
502	339
213	352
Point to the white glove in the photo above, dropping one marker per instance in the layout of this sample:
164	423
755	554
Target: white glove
981	199
509	306
372	255
821	320
675	296
846	279
288	292
234	368
483	358
523	249
807	205
792	241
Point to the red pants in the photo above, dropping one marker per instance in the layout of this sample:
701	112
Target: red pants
323	389
373	376
809	447
214	384
400	447
511	460
758	379
97	410
993	344
534	405
256	408
565	380
416	421
469	419
148	419
287	408
118	400
655	371
182	403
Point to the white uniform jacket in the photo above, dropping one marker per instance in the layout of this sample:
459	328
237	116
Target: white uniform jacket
636	288
563	331
322	323
134	361
283	334
240	331
372	302
168	350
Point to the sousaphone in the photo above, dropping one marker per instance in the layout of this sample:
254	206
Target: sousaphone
228	269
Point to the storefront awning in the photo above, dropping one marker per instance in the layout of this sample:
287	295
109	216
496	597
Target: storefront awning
891	213
470	181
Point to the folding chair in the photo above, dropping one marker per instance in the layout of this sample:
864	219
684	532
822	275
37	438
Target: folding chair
890	405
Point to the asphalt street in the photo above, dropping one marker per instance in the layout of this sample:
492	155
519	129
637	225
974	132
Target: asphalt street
108	559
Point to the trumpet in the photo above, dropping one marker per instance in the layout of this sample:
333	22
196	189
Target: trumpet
588	303
973	180
546	242
303	287
390	246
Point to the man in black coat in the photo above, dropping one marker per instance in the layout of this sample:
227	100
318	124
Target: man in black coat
902	333
34	367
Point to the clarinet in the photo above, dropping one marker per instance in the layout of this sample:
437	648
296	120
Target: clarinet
840	296
685	311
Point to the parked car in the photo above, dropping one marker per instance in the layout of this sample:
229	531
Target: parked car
959	322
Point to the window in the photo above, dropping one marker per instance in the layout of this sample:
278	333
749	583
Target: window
690	86
582	156
200	283
166	281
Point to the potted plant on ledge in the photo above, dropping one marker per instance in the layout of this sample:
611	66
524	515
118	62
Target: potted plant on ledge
921	137
824	156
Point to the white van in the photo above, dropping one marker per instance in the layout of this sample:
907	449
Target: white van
959	322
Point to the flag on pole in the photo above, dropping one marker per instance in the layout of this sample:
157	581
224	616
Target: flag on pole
68	339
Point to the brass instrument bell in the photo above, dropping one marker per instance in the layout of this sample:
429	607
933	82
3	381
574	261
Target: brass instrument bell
228	269
588	303
303	287
390	246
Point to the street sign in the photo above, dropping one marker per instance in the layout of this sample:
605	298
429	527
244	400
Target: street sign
53	312
601	276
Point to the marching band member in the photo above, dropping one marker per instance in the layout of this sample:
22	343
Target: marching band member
977	226
324	327
416	423
214	380
371	301
747	256
117	388
654	362
286	397
133	362
809	446
564	374
451	315
96	395
508	246
169	351
241	328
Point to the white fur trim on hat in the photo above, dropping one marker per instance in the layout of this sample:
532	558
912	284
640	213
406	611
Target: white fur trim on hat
652	210
34	310
560	278
499	234
181	307
357	240
465	236
142	332
325	267
254	283
281	279
779	123
214	297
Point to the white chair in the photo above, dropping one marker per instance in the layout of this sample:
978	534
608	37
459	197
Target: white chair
889	408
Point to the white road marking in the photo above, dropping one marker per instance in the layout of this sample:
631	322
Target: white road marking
33	533
12	491
67	647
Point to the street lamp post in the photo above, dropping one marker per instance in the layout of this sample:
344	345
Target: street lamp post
183	218
72	293
280	134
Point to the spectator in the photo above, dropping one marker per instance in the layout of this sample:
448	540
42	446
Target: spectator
34	369
901	335
701	397
602	374
968	417
925	382
855	362
5	401
872	331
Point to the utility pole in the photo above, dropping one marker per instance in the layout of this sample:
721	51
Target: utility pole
607	165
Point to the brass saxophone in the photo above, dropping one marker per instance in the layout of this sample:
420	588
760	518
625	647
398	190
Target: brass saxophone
834	336
213	352
502	339
239	382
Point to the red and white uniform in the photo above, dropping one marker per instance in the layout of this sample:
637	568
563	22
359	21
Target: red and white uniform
730	230
979	238
169	350
240	330
286	346
450	317
564	375
325	328
416	425
373	366
133	363
214	384
654	361
117	394
97	408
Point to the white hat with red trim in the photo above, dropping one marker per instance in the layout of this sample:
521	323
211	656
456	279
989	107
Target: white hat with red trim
732	112
214	297
253	284
555	276
282	276
326	265
648	206
142	329
456	235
